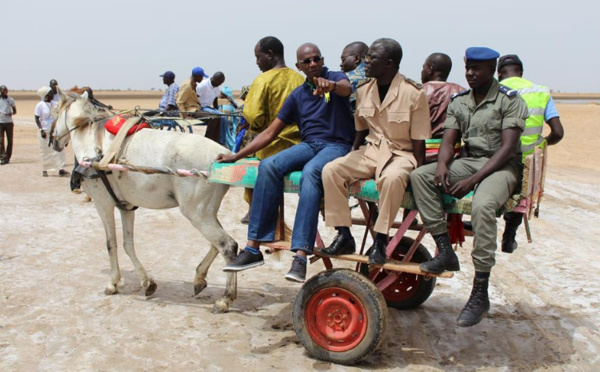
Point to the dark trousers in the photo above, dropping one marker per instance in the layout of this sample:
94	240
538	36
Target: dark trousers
8	130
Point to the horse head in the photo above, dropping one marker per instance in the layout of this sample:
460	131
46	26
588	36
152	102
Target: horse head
76	121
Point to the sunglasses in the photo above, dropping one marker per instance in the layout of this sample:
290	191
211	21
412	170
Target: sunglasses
315	59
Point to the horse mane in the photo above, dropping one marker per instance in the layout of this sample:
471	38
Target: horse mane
90	113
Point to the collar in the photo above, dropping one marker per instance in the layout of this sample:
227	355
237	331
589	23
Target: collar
323	74
491	95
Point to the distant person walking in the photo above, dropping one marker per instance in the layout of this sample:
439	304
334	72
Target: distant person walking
51	160
7	110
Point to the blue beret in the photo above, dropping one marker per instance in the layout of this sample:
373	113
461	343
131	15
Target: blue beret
480	54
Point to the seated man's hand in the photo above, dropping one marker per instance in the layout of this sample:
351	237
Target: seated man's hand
442	178
224	158
462	188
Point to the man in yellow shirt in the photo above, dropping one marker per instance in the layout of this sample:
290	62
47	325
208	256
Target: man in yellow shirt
266	96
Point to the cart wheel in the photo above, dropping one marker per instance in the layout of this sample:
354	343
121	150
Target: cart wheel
409	290
340	316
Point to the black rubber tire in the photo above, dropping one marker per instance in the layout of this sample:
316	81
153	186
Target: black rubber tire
410	290
348	285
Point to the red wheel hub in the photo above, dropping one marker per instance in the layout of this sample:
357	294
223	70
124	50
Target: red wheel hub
335	319
404	287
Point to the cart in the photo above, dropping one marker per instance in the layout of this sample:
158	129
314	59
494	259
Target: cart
340	315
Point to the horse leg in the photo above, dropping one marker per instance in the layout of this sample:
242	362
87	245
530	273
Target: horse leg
107	216
202	270
209	226
128	220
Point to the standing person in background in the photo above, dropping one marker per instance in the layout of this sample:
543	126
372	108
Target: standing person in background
187	99
541	108
353	64
56	91
7	110
208	92
231	122
51	160
266	96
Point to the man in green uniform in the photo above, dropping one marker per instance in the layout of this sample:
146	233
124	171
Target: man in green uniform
489	118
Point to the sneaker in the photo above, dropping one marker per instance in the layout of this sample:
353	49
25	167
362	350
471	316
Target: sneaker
245	260
63	173
298	271
44	174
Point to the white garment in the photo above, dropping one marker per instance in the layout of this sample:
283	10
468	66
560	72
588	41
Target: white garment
56	99
207	93
43	110
51	160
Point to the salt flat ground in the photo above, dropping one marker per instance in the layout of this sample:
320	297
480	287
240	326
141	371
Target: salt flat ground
54	314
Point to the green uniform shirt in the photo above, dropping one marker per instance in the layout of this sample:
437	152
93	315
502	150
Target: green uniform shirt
481	125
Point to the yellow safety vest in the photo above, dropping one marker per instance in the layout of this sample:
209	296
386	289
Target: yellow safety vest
536	97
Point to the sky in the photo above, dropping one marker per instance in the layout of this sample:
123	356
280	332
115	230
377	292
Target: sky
127	44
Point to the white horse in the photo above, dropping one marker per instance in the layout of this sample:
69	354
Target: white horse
197	199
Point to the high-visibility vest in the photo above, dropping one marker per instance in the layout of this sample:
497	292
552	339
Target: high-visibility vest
536	97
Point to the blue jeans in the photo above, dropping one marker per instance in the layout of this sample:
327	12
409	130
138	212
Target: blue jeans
310	158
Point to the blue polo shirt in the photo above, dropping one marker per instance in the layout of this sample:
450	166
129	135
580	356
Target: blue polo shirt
317	119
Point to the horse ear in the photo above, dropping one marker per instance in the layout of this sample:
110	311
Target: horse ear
85	95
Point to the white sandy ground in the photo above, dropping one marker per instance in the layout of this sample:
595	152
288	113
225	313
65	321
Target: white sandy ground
55	316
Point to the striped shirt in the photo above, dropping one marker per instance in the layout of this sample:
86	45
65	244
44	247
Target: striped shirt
169	98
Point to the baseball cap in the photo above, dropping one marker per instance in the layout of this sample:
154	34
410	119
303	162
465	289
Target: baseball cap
480	54
199	71
509	59
168	75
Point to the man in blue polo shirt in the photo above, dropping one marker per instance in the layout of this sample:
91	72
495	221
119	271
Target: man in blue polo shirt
321	108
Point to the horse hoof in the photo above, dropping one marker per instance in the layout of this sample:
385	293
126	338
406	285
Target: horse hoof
151	289
220	307
199	287
111	290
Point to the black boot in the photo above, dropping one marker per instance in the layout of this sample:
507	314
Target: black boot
446	260
478	304
509	242
342	244
377	253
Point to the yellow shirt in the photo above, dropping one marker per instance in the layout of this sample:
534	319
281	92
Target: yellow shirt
187	99
265	97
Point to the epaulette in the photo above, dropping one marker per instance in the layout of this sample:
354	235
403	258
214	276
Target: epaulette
454	95
363	82
506	90
414	83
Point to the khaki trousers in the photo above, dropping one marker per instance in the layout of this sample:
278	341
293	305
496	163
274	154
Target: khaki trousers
358	165
490	195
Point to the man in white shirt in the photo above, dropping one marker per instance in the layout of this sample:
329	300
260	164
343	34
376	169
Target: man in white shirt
208	92
55	89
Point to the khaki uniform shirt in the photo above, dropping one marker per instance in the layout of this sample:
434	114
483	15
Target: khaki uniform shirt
187	99
403	116
481	125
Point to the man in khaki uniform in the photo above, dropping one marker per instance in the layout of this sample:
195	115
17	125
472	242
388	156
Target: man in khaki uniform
187	99
490	119
393	115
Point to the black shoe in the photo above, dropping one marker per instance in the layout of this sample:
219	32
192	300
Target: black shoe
246	219
477	306
63	173
513	221
3	161
44	174
377	253
446	259
298	271
342	244
245	260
